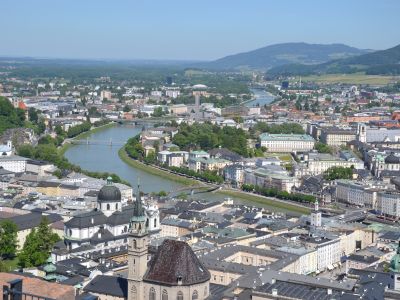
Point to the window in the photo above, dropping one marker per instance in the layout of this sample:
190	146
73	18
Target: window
152	294
205	291
116	206
108	206
133	293
155	222
179	296
164	295
195	295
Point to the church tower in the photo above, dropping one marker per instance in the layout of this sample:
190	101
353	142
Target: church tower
316	215
362	133
395	271
137	250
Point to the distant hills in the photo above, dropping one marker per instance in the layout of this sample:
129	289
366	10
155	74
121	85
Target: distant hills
284	54
383	62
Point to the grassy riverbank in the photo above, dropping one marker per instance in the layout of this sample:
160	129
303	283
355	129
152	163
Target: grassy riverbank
154	171
85	134
264	200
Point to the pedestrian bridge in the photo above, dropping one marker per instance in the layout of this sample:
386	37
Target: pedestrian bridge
88	141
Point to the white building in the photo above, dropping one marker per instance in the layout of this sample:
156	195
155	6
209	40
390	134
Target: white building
318	163
108	225
357	193
388	203
287	142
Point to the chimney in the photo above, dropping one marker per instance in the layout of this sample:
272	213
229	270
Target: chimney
329	291
274	292
273	280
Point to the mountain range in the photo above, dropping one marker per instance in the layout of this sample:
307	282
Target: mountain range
283	54
305	59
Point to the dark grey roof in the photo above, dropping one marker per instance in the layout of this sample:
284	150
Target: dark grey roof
297	291
369	259
391	235
108	285
173	260
121	217
95	217
392	159
109	193
32	219
225	154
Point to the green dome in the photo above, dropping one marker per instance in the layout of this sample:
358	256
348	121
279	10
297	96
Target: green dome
395	262
50	268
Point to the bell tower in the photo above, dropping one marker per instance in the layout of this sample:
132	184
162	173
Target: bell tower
316	215
137	250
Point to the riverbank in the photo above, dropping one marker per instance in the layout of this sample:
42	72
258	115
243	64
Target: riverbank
153	170
252	198
83	135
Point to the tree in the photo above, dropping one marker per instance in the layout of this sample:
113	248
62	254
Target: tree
38	245
158	112
323	148
8	239
33	115
126	108
59	130
334	173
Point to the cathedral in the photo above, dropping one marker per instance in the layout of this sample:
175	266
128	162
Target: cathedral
107	226
174	272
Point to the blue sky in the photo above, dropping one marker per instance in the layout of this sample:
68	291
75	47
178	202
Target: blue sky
189	29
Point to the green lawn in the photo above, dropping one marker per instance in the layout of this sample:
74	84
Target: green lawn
10	265
154	171
286	157
356	78
267	201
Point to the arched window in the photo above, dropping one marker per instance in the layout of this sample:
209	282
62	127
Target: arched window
125	229
179	296
195	295
147	222
164	295
152	294
108	206
116	206
134	244
155	222
133	295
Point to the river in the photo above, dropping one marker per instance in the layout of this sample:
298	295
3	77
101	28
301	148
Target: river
104	158
261	97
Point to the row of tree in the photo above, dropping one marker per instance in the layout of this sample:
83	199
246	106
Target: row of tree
78	129
273	192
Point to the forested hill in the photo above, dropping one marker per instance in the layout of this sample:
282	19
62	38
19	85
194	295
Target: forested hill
10	117
384	62
287	53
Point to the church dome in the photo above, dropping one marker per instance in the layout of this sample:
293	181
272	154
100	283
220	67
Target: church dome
392	159
109	193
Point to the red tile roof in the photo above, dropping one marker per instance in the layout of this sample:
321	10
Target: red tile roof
37	286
